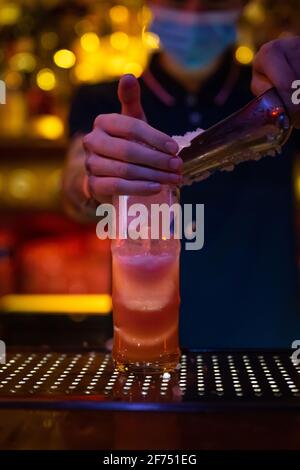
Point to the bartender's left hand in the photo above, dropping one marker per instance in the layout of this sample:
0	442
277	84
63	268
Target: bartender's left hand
277	64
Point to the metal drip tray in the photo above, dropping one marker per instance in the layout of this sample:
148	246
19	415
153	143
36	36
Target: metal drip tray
204	380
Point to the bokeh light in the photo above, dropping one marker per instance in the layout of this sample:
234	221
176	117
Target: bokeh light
119	14
23	62
48	127
90	42
64	59
21	183
46	79
119	40
255	13
96	45
244	55
9	13
13	79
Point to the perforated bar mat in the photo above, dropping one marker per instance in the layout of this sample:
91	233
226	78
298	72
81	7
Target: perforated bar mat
204	379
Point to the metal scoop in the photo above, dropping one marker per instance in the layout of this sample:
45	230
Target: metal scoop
258	129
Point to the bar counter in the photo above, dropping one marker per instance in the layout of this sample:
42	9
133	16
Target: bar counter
215	400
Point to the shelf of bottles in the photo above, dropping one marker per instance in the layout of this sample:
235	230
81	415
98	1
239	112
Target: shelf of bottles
49	47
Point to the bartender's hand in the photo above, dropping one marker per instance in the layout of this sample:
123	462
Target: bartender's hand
277	64
127	156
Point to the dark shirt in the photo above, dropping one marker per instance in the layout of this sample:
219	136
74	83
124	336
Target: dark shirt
241	289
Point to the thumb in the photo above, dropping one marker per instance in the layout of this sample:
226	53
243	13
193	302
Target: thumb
129	93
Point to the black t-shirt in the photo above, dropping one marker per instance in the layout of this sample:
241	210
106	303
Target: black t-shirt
240	290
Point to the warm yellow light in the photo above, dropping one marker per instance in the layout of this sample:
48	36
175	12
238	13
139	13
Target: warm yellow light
244	55
13	79
49	40
1	182
134	68
145	16
46	79
115	65
21	183
23	62
49	127
136	51
90	42
119	14
84	72
119	40
255	13
84	304
64	58
9	14
151	40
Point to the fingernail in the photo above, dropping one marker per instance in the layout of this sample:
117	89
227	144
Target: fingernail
154	186
175	163
171	147
130	80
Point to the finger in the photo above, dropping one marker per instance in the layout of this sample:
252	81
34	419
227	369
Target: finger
109	186
135	130
260	84
291	50
129	93
100	166
99	143
272	63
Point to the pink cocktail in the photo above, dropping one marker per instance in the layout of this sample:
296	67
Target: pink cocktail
146	304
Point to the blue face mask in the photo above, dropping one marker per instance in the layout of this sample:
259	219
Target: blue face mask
194	39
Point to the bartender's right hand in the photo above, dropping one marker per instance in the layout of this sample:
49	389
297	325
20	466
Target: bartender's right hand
127	156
